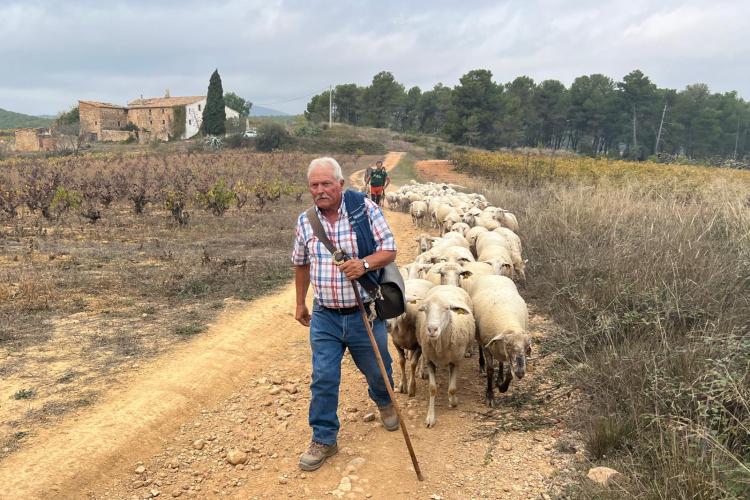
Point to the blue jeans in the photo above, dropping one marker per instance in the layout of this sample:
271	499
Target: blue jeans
330	335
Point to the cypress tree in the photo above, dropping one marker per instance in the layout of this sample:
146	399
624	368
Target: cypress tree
213	114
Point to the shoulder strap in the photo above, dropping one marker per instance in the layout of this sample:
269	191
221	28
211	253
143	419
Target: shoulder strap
318	230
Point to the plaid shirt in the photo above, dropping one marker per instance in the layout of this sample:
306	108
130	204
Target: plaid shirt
330	286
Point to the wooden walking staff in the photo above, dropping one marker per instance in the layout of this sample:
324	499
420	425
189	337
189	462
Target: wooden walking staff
384	373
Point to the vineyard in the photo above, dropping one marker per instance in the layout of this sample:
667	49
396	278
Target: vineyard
107	260
533	169
90	185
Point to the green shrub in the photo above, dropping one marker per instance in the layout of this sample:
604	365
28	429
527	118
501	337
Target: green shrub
237	141
218	199
307	129
24	394
65	200
271	136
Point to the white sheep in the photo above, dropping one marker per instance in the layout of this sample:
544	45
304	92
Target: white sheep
507	219
472	271
471	237
461	228
498	256
452	253
448	220
501	330
418	211
446	273
444	328
513	243
486	220
392	199
425	241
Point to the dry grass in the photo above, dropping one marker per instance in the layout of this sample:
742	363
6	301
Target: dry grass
653	286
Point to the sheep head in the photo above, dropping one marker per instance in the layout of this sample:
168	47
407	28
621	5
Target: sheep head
439	316
516	346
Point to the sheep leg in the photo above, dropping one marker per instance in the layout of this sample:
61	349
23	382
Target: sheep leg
422	371
481	353
490	394
416	355
506	375
469	350
402	365
430	420
452	383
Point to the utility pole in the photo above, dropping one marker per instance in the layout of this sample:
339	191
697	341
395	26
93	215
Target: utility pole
737	136
635	141
330	106
661	123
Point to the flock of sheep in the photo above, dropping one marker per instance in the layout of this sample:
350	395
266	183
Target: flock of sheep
460	288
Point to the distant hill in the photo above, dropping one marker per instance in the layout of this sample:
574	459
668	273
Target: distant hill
261	111
9	119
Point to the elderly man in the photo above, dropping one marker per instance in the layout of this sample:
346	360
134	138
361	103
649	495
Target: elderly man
336	324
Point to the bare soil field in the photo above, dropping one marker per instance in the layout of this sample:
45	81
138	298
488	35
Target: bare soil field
238	393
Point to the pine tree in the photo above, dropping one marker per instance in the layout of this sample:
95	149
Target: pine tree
214	115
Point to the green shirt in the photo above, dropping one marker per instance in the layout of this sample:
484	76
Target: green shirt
378	177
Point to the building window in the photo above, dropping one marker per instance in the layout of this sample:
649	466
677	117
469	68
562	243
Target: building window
96	123
190	122
163	122
150	122
199	107
118	123
149	111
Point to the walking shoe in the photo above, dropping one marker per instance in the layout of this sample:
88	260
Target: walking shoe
316	455
389	418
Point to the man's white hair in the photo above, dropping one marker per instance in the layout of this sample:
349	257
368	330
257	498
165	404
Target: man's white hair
329	162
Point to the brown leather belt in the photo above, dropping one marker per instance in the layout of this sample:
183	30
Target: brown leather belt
346	310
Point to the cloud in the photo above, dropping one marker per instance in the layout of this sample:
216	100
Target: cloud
278	51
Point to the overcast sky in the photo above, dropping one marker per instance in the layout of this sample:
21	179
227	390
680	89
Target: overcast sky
279	53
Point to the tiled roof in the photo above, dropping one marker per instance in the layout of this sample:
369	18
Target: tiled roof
165	102
102	104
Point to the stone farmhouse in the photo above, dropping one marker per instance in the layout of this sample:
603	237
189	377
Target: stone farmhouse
159	118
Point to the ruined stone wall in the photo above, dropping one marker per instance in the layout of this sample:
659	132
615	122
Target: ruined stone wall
27	140
115	135
47	143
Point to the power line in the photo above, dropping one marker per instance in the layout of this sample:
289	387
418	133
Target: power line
290	100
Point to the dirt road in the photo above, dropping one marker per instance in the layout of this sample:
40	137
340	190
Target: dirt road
240	393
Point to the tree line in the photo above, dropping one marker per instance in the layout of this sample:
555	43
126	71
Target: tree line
595	115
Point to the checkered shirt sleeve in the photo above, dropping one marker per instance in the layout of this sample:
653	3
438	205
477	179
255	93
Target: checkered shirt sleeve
330	286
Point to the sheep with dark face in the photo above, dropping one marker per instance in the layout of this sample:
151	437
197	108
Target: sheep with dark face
403	330
445	327
502	331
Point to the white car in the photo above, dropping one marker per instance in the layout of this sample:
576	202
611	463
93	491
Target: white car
251	132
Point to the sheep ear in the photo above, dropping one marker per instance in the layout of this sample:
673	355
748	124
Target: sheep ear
466	273
459	309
